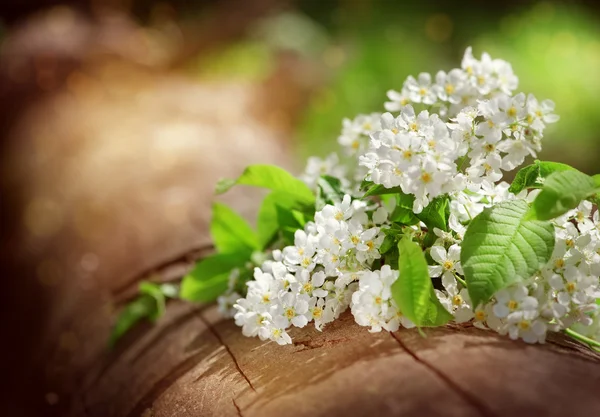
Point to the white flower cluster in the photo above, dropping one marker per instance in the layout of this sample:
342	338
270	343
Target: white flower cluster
488	128
314	280
469	130
563	293
459	88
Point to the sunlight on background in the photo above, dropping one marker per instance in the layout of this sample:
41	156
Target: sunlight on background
554	49
367	48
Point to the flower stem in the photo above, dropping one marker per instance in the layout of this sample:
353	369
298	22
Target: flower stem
462	281
578	336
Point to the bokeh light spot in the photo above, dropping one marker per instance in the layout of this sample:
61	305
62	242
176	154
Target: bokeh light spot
439	27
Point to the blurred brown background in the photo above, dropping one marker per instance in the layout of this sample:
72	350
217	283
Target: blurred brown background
117	118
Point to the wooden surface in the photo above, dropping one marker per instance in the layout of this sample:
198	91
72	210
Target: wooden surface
196	364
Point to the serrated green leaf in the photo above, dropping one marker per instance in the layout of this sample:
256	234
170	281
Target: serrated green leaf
273	178
209	277
230	232
142	307
436	213
534	175
562	191
413	290
500	247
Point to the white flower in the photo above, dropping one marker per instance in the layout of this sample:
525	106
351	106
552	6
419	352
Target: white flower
454	300
316	167
310	284
355	133
515	300
448	261
420	90
276	331
398	100
531	330
449	85
293	308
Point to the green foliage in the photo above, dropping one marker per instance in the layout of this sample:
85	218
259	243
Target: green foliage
329	191
378	189
562	191
288	221
436	214
413	290
150	304
273	178
270	222
209	277
501	247
403	212
534	175
230	232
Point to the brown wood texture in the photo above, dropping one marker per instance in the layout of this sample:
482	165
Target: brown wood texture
194	363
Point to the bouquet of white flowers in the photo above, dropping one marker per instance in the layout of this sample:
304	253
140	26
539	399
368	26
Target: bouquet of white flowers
411	225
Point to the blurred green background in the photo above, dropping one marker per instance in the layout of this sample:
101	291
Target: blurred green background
365	47
369	47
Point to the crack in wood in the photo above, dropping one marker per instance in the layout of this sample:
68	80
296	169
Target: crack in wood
228	350
237	407
468	398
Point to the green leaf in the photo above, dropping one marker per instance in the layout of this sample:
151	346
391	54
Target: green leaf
500	247
403	212
378	189
268	223
436	213
230	232
273	178
562	191
287	223
149	304
413	290
596	179
140	308
392	236
534	175
154	291
330	191
209	277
